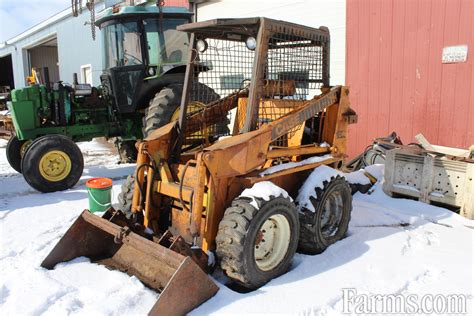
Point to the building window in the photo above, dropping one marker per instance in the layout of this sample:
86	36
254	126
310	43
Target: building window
86	74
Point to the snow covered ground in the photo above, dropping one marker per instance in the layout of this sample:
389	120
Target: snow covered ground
394	246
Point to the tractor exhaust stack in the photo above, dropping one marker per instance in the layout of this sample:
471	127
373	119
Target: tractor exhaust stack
173	275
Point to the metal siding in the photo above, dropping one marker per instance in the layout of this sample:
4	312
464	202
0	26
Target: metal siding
394	69
464	80
385	68
374	66
46	56
363	66
76	48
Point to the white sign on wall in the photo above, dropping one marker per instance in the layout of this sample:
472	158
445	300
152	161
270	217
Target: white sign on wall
454	54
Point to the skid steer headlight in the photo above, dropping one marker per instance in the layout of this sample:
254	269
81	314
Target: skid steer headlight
201	46
251	43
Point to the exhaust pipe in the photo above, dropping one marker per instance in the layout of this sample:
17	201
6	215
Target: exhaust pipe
182	284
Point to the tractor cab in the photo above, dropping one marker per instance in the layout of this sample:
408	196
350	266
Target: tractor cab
142	51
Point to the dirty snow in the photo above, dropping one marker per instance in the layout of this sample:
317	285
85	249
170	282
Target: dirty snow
263	190
375	170
315	180
437	194
288	165
405	187
357	177
394	246
324	173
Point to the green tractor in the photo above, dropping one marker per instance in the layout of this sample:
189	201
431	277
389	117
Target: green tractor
141	86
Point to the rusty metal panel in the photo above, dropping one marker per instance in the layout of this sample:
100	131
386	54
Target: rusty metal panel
172	274
395	71
177	3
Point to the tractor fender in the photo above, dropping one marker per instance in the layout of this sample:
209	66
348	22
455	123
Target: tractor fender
150	87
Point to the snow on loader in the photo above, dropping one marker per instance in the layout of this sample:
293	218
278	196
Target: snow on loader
185	205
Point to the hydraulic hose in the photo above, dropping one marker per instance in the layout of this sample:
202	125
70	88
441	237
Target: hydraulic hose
181	183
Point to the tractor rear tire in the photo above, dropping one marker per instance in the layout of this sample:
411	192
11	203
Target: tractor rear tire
245	256
161	108
329	222
126	195
52	163
127	151
14	152
164	107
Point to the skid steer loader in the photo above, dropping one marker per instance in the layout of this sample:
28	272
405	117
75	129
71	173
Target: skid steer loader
199	198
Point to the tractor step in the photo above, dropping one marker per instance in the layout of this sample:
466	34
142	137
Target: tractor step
173	275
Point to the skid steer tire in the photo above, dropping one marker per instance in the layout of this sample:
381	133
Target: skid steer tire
52	163
14	152
329	222
126	195
164	107
243	229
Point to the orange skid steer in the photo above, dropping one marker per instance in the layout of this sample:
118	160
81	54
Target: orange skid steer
204	197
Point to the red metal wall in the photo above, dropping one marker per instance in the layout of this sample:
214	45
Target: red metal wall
394	69
177	3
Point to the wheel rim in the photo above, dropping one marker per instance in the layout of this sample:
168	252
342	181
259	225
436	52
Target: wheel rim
193	106
24	147
332	214
55	165
175	115
272	242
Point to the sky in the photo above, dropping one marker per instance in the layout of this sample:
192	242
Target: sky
17	16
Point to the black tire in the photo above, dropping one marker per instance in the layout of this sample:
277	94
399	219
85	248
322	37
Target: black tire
13	152
315	234
237	237
39	149
161	108
127	151
126	195
165	103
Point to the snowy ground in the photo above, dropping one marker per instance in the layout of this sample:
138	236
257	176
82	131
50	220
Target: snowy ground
394	246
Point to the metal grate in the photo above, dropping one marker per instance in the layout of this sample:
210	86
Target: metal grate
296	60
295	68
294	71
223	69
223	59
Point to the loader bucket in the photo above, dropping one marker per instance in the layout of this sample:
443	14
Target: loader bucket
179	280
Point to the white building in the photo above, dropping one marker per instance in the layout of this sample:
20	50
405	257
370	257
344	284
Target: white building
62	43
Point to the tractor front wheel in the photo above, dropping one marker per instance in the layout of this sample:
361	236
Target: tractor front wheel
15	150
52	163
257	245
